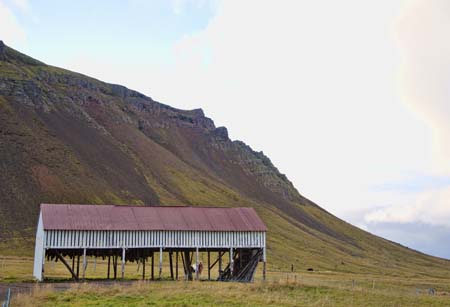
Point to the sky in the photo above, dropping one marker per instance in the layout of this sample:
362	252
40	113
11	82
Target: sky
348	98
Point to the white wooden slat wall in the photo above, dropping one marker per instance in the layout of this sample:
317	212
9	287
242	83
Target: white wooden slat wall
166	238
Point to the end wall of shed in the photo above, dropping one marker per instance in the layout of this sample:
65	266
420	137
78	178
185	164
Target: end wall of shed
39	250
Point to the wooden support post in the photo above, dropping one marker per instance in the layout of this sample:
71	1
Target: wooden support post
109	265
143	268
219	257
73	262
231	261
61	258
220	262
209	268
184	266
187	265
160	261
115	266
171	265
123	263
196	264
239	257
264	263
84	263
78	266
264	270
176	265
153	265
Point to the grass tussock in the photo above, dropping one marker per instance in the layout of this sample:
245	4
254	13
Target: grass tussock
280	292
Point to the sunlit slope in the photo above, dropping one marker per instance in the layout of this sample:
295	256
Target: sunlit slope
68	138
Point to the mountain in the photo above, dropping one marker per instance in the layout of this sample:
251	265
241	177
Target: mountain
69	138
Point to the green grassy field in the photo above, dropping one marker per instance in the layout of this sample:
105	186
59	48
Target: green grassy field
320	288
306	291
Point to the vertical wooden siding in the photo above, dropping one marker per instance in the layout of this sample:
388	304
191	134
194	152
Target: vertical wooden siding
140	239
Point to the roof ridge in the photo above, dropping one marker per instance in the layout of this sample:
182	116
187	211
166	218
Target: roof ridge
147	206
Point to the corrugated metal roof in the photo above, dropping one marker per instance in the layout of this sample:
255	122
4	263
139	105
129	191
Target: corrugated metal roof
109	217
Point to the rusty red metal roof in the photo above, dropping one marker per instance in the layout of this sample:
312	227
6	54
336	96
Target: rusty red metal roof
110	217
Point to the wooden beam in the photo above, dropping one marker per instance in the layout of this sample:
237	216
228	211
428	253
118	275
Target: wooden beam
143	268
84	263
115	266
231	261
264	270
187	265
58	255
209	268
153	265
219	259
196	264
176	265
78	267
184	266
190	256
109	264
171	265
160	262
123	263
264	263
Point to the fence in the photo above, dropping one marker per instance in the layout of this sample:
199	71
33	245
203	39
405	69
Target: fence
8	298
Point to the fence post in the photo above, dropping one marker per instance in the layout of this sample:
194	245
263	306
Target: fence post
8	298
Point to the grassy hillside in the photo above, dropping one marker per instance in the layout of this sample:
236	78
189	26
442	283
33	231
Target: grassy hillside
68	138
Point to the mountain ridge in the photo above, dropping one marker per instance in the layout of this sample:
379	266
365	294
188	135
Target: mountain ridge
69	138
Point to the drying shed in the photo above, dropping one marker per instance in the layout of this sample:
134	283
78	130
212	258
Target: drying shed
136	233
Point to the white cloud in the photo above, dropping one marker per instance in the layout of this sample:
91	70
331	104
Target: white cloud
11	32
433	239
23	5
312	83
422	34
179	6
429	207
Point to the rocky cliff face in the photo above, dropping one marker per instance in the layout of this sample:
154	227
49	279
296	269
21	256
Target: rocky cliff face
77	114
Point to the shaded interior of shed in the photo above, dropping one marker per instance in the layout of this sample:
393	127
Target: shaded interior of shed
230	264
